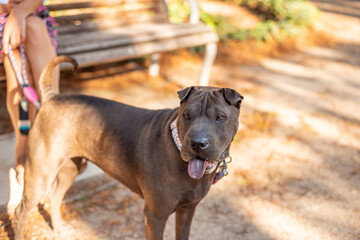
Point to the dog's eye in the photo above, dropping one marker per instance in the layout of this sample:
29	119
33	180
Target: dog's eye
220	118
186	116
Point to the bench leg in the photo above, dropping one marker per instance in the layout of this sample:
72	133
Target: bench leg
210	54
154	65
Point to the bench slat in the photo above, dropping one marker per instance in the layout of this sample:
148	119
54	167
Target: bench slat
113	14
108	24
96	4
136	33
142	49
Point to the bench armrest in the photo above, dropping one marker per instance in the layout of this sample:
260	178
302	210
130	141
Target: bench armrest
194	11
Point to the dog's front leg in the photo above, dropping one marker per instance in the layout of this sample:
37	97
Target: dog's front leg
154	223
183	222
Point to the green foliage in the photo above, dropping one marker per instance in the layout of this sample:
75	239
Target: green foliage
178	10
297	12
280	18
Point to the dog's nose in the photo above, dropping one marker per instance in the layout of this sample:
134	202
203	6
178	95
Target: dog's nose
199	144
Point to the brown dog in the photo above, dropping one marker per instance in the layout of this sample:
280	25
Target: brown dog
172	168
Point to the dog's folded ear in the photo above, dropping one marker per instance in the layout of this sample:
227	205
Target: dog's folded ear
184	94
232	97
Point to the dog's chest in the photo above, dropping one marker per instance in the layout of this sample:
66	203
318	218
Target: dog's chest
194	194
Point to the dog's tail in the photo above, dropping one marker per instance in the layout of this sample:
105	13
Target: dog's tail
46	76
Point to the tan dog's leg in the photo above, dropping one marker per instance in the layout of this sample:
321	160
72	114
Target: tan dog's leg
38	179
61	185
34	189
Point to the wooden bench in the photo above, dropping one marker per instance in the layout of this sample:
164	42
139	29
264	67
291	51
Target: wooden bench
96	32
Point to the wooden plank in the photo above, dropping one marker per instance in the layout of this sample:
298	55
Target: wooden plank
130	30
127	36
142	49
108	24
58	2
110	14
97	4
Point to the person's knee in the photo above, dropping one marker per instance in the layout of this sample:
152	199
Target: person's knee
36	32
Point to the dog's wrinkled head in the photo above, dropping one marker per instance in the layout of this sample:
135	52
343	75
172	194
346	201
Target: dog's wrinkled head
207	124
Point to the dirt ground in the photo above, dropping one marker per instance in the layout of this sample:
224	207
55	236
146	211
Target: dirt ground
296	158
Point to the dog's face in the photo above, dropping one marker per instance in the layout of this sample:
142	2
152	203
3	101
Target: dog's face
207	124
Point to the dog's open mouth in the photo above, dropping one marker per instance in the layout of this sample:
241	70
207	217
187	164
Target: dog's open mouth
198	167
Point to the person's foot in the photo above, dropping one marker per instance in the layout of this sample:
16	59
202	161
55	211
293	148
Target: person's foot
16	180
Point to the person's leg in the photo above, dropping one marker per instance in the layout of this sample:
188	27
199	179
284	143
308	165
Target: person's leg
39	50
12	103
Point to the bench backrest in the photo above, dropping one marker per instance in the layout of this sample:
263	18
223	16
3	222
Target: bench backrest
88	15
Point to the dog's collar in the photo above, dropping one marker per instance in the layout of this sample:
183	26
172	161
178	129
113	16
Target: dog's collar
222	163
175	134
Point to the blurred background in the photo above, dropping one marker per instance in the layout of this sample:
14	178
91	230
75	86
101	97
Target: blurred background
296	157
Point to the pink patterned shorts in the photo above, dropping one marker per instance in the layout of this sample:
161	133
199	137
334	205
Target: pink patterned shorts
41	12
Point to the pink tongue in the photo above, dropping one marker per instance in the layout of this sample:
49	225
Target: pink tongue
196	168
